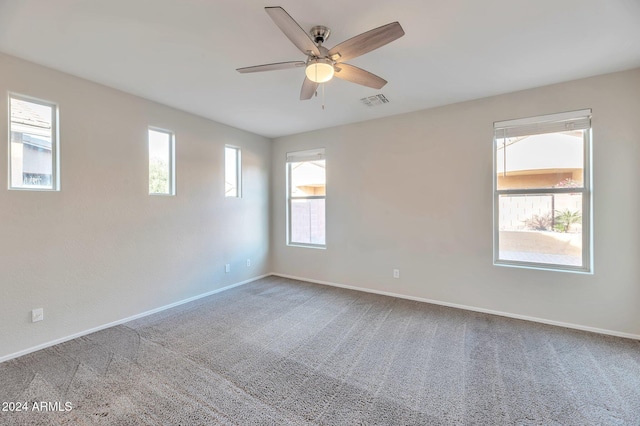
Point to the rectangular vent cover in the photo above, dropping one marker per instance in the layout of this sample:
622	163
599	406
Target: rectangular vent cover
375	100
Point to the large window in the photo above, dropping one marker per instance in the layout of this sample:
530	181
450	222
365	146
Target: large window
33	145
306	193
542	191
232	172
161	162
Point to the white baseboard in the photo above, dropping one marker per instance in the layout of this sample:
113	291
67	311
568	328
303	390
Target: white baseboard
124	320
470	308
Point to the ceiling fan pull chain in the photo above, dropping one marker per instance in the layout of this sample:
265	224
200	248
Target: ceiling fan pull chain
322	87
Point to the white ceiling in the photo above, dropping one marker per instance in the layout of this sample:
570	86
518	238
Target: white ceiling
184	53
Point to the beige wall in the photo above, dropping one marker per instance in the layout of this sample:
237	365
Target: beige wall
102	249
414	192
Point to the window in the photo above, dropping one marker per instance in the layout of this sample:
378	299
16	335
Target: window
232	171
306	183
161	162
542	191
33	145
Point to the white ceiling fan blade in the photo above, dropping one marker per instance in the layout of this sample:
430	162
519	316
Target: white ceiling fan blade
359	76
366	42
271	67
292	30
308	89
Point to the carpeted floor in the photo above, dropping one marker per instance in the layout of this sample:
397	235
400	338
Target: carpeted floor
281	352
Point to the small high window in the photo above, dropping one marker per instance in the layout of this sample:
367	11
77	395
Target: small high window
33	144
232	172
306	182
542	191
161	162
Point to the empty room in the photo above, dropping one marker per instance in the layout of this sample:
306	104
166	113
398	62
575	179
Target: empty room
320	213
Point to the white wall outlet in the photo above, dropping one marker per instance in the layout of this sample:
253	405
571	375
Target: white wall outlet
248	263
37	315
227	268
396	273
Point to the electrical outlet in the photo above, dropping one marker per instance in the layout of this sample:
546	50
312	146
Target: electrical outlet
248	263
227	268
396	273
37	315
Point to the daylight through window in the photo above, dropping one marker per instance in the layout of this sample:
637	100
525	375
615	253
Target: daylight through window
306	179
232	172
161	162
33	145
542	191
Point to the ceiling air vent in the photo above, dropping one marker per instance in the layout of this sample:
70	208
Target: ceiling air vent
375	100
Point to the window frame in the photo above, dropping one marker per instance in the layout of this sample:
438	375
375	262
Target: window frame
55	143
171	165
309	197
585	191
238	177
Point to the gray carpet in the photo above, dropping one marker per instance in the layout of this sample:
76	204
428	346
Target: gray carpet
281	352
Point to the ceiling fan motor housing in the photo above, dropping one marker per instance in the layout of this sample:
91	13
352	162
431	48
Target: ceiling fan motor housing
320	34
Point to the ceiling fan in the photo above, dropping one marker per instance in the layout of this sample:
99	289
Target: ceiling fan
323	64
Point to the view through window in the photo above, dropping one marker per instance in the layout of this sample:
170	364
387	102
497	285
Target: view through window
542	192
33	144
161	162
306	197
232	171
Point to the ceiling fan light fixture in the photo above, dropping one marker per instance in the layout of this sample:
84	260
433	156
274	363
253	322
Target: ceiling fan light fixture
319	70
